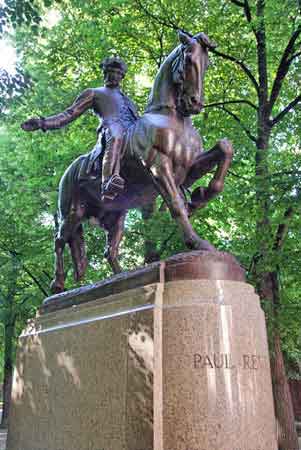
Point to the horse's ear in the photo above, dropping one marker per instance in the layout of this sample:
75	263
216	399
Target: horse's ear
203	39
184	38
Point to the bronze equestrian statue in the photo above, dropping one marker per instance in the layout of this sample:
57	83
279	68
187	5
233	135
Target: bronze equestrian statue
159	153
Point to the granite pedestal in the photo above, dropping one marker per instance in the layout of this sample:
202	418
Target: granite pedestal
171	357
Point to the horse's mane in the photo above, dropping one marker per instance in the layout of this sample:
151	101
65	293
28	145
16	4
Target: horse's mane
175	61
177	66
172	69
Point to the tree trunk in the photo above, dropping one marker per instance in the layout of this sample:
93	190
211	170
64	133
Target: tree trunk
286	429
8	372
268	289
267	281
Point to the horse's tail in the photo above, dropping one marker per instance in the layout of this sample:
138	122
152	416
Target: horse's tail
69	186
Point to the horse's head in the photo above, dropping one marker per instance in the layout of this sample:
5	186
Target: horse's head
188	72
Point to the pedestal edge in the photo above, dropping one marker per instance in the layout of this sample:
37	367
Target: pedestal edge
195	265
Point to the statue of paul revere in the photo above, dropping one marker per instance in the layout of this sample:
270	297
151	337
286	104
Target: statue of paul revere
138	158
116	112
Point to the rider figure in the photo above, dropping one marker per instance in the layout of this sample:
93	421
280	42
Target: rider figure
117	113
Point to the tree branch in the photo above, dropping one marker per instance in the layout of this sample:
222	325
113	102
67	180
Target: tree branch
285	173
167	22
237	119
16	255
284	66
238	3
24	300
35	280
283	229
261	55
290	106
230	172
229	102
294	57
9	251
47	275
245	5
248	12
240	64
149	49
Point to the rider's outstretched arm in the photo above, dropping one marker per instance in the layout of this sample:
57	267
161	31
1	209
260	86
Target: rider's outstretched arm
83	102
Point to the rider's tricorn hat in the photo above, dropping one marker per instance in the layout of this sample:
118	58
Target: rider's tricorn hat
113	61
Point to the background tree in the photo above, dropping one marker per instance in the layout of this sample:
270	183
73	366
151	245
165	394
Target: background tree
253	98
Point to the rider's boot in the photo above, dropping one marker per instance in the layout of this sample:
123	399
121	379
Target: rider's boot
112	187
112	183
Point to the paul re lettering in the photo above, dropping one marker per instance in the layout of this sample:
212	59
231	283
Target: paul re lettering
215	361
236	448
225	361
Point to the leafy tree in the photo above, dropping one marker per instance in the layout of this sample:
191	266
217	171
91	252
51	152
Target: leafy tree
15	309
261	99
253	98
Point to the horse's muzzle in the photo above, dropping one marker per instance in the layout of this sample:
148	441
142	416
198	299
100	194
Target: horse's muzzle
191	105
196	104
196	109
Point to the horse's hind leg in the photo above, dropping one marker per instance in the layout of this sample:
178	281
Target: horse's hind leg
78	252
176	205
221	156
114	226
57	285
70	232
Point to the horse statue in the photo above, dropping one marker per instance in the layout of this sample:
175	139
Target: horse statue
162	155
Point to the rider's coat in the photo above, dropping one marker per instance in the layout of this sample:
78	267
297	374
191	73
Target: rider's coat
115	110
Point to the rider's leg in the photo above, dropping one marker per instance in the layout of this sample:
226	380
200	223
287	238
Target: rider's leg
112	183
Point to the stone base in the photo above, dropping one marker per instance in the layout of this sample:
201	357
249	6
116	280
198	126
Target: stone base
171	357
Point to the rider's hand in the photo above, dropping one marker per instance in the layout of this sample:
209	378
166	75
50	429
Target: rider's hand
32	124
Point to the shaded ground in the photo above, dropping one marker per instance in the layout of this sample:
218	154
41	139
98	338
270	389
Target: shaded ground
3	434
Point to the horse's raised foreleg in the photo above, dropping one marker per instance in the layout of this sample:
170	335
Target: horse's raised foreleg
221	156
176	205
114	225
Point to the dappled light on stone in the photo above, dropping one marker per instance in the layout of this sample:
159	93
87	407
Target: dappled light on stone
181	358
18	382
142	345
67	362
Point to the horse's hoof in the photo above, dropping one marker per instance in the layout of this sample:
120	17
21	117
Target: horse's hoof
117	269
227	148
216	186
192	208
56	288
